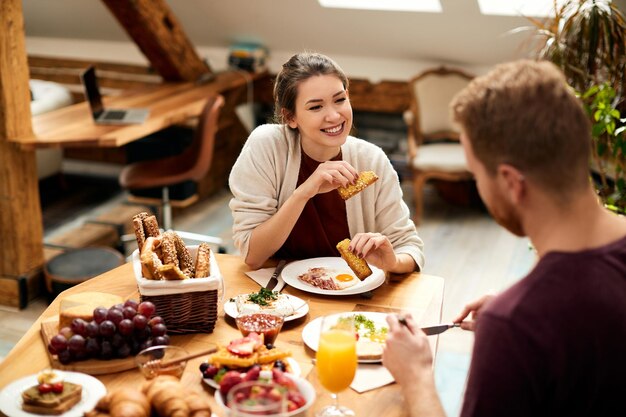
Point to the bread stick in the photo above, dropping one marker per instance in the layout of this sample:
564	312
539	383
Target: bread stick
365	179
168	249
203	261
151	226
185	260
360	268
140	233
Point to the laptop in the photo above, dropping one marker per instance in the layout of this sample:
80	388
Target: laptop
108	116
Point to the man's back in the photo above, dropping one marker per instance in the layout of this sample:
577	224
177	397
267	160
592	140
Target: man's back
555	343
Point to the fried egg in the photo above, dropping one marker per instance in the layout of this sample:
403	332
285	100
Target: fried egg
342	279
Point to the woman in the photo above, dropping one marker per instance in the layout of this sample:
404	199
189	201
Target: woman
284	181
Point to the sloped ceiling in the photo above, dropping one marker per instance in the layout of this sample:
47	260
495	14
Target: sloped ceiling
459	35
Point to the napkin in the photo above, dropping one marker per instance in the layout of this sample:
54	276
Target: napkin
262	277
370	376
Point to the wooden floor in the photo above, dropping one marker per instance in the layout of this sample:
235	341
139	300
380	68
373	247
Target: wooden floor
463	245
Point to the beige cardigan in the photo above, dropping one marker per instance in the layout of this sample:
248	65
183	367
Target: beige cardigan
266	173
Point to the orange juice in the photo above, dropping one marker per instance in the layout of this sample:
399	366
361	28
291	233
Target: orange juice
336	359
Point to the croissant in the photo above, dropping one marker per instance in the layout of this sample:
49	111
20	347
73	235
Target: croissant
167	396
198	406
122	403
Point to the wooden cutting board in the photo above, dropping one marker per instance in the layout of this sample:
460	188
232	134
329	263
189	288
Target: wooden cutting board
91	366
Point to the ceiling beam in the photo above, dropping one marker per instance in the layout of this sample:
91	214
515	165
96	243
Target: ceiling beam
158	34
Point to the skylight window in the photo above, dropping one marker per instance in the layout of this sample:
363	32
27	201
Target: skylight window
536	8
426	6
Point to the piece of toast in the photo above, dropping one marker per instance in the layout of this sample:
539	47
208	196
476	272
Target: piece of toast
365	179
360	268
51	403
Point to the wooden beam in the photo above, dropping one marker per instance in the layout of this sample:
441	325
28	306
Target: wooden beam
156	31
21	231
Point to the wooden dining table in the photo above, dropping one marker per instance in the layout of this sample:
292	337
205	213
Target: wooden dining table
417	293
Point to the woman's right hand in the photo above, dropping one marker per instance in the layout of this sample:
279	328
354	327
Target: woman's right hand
328	176
474	308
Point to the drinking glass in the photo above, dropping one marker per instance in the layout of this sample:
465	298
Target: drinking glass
336	361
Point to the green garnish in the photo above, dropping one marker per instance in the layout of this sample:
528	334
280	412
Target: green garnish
362	322
218	376
263	297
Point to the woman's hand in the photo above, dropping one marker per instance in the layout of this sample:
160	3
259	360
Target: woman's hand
328	176
474	308
376	249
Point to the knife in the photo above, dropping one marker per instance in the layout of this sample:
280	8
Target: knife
440	328
432	330
271	284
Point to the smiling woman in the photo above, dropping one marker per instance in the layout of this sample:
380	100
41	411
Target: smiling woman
286	178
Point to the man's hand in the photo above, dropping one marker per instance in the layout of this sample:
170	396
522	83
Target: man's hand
474	308
406	353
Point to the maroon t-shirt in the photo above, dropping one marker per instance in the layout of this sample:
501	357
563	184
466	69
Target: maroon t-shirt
322	224
554	344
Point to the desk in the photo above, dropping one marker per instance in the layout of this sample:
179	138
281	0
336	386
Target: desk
419	293
169	103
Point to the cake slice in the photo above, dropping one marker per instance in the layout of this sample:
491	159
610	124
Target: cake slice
51	403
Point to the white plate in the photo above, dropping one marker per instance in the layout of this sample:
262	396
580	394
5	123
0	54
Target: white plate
293	364
11	396
301	306
311	332
293	270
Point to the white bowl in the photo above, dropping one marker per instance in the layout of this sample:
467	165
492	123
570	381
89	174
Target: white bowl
304	386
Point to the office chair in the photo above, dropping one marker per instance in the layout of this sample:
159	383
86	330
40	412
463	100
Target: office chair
433	143
193	164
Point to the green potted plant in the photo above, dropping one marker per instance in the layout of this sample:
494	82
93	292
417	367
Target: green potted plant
587	40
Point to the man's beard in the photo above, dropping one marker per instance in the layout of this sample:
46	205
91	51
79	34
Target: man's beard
505	215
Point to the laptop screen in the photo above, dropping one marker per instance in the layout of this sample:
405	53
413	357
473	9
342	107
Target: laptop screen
92	92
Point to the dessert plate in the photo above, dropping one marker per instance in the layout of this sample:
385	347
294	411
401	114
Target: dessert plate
11	396
311	332
293	364
301	308
335	266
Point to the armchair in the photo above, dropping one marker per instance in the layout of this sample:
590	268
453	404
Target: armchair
433	143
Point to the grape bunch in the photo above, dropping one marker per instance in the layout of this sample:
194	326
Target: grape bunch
116	332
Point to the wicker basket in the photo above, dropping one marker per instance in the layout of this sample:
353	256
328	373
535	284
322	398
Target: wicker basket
184	311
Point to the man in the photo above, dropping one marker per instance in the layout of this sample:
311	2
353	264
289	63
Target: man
554	344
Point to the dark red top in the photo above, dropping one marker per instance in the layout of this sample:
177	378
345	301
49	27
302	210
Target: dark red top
554	344
322	224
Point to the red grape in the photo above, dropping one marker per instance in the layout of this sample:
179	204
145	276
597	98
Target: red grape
92	347
92	329
67	332
125	327
76	344
160	341
159	329
58	342
115	315
155	320
100	314
131	303
64	357
123	351
146	308
106	351
52	349
79	326
140	322
107	328
129	312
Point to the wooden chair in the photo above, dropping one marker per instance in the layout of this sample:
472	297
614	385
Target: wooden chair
433	143
192	164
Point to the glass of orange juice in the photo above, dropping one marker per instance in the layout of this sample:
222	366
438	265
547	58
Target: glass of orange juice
336	360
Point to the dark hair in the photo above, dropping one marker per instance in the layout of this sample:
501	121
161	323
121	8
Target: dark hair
524	114
298	68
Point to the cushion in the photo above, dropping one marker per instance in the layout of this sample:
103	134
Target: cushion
440	156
